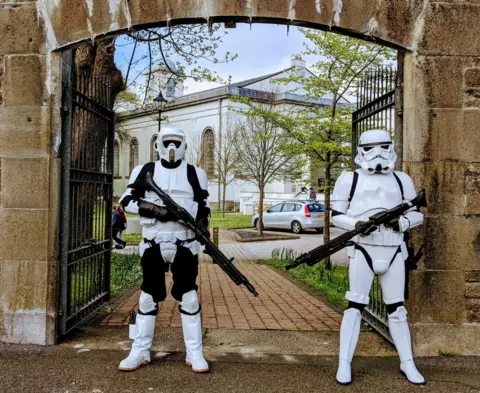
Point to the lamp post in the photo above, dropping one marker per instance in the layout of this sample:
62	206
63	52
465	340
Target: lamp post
160	102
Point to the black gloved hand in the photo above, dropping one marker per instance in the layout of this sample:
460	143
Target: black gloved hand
394	224
364	228
150	210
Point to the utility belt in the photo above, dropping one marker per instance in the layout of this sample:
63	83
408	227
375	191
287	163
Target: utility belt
178	242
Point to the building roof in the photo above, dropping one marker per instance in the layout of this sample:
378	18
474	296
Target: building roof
236	88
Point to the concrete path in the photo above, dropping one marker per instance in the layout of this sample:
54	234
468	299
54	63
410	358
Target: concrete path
307	241
60	369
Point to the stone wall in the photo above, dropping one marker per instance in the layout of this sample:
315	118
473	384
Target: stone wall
441	141
28	179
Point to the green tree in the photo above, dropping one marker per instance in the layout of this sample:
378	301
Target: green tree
261	149
322	130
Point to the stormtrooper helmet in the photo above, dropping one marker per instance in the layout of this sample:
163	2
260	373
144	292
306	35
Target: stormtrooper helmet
171	144
375	153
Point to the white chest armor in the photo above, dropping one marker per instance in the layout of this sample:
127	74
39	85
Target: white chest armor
175	183
375	193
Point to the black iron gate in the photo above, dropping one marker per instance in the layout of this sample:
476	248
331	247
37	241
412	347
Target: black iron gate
87	190
376	93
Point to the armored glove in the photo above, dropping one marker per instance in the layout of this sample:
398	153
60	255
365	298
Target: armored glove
365	228
150	210
399	224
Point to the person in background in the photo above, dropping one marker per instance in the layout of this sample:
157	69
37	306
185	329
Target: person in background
312	195
117	226
124	221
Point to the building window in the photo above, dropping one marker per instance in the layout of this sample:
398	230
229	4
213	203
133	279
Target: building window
153	153
133	154
116	159
208	152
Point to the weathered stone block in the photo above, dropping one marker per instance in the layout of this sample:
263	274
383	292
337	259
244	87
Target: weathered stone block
24	285
20	31
438	296
444	183
433	340
25	183
398	20
451	29
472	190
451	243
441	135
435	82
472	77
71	21
17	226
473	310
25	80
24	131
107	16
472	290
147	11
472	275
314	11
28	328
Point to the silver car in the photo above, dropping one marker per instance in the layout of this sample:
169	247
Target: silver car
296	216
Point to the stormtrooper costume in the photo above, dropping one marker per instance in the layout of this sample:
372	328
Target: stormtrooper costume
168	245
379	250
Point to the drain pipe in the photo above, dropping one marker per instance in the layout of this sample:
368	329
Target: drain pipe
220	121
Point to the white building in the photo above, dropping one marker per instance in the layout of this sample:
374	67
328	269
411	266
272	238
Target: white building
203	116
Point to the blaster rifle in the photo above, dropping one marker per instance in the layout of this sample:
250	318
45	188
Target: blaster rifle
318	254
202	235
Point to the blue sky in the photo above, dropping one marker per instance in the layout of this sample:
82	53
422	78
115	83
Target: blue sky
261	49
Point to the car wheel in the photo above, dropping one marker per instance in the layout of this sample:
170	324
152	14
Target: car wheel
319	230
296	227
256	224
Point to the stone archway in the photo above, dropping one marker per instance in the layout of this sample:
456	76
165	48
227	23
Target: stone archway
441	141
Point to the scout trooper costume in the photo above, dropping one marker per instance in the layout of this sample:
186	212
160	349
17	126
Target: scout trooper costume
168	245
377	251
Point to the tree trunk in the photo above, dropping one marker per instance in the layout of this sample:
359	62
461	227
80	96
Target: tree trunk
326	228
94	63
260	211
224	197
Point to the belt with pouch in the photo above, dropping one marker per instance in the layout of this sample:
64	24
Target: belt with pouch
178	242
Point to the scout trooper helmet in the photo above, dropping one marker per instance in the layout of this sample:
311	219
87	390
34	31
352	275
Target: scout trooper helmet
375	153
171	144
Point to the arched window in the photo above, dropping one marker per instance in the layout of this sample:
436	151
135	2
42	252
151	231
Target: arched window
116	159
153	153
207	152
133	154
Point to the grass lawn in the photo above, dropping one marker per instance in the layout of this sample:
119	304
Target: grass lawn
331	284
231	221
125	273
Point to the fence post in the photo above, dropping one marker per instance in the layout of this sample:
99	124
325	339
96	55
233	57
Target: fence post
215	236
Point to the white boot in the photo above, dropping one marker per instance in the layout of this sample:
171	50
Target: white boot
192	334
140	353
400	333
349	332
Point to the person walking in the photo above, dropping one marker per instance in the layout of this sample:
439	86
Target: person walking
117	227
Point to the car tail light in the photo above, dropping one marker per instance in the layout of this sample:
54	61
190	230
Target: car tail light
307	211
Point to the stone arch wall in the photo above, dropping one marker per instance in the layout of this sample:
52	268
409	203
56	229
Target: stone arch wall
441	141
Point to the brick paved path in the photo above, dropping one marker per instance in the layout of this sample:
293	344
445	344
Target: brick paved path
282	305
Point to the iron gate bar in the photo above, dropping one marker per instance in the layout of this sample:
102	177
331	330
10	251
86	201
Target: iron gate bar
87	191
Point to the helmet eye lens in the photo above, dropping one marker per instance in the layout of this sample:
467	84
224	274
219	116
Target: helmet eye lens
367	149
385	147
166	143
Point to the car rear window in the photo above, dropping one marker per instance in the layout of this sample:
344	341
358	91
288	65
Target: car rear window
316	208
